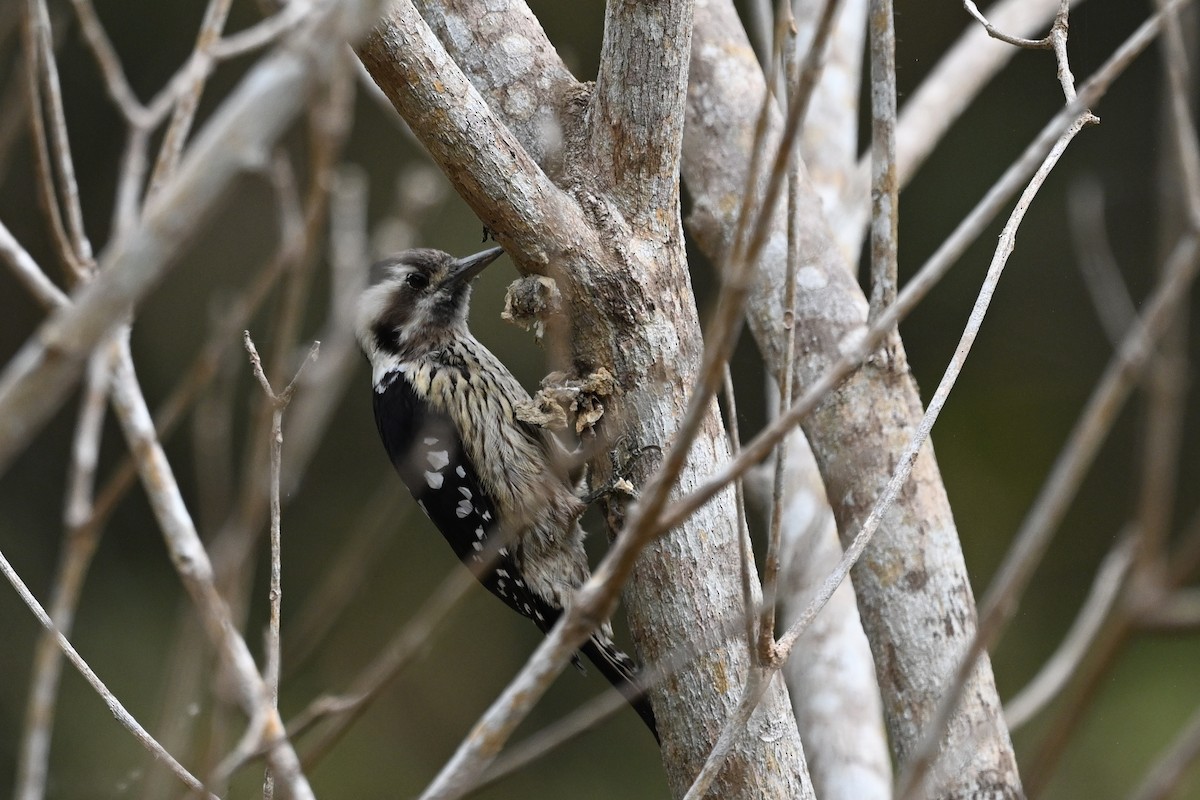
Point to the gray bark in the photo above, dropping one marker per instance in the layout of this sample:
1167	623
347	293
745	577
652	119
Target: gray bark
913	590
610	235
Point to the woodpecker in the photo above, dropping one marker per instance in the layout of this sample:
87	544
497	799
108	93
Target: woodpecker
446	408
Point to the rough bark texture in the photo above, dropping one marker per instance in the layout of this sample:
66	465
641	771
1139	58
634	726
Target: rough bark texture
619	263
914	595
829	141
830	674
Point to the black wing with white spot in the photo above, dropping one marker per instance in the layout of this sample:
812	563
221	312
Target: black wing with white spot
426	450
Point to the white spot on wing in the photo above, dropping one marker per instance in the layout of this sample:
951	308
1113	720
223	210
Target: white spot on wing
465	492
428	440
438	459
434	479
460	472
463	508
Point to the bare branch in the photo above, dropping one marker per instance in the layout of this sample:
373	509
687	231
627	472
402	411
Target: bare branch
38	20
906	459
115	82
1017	41
279	403
829	143
114	705
187	100
539	226
1003	596
1102	275
745	553
937	103
44	170
33	385
192	563
338	713
926	277
832	676
640	97
261	34
1171	768
1058	669
885	185
76	552
29	273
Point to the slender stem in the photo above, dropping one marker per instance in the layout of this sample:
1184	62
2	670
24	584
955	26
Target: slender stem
1031	540
1059	668
197	69
110	700
885	186
76	553
745	553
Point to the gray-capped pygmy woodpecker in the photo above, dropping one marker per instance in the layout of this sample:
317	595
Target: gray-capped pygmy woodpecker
446	412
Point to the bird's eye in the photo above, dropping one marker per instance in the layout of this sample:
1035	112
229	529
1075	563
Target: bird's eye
416	280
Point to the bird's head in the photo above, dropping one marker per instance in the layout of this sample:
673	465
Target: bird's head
415	301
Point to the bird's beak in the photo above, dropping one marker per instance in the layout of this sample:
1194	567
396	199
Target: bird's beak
465	269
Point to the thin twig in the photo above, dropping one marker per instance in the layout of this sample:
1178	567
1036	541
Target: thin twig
908	456
1166	386
745	553
127	206
885	186
115	82
764	651
262	33
1102	275
199	66
194	568
1017	41
279	403
114	705
1031	540
76	552
944	94
1059	668
32	386
338	712
43	170
926	278
324	603
1171	768
29	273
59	143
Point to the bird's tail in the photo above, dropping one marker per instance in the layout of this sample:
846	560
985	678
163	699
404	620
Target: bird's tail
622	673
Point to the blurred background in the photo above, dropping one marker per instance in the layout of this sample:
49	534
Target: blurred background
1033	367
